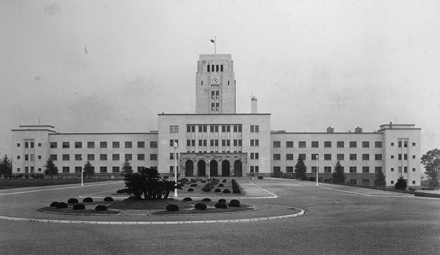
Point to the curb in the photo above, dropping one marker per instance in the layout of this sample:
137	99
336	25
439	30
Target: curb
156	222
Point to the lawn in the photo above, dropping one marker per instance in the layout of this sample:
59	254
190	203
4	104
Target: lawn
23	183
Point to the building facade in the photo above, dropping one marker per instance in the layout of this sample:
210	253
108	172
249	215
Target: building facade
217	141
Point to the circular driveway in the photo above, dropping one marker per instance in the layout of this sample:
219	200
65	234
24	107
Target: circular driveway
334	222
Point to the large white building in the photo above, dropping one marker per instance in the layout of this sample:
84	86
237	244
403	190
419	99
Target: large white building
217	141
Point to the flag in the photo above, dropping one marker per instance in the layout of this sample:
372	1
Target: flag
212	41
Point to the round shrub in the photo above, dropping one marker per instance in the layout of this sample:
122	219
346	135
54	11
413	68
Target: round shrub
62	205
101	208
187	199
221	205
194	185
221	200
260	177
200	206
172	208
235	201
234	204
88	200
220	185
108	199
190	189
206	200
226	191
217	190
78	207
54	204
72	201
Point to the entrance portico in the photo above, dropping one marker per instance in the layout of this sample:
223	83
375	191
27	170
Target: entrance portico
213	164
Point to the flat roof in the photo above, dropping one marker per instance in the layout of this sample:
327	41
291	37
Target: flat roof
122	133
205	114
27	126
324	133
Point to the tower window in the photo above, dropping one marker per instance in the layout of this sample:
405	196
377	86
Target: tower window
216	68
212	68
202	83
208	69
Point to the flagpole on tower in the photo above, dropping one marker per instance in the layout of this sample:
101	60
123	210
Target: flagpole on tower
215	44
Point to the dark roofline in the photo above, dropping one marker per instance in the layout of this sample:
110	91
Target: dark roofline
382	129
125	133
191	114
326	133
25	126
33	129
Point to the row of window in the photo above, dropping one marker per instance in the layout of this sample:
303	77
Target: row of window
214	128
204	142
103	157
289	156
29	145
352	169
214	68
102	145
327	144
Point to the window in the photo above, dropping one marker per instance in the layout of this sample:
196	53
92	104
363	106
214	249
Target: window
413	182
66	169
172	141
128	144
276	144
78	157
353	169
174	129
153	156
66	145
115	157
413	144
365	144
405	156
327	144
289	144
377	169
405	144
90	156
188	129
18	157
141	144
103	145
18	145
399	156
315	144
314	169
276	156
103	169
200	142
39	144
26	145
405	169
115	169
378	144
153	144
257	155
78	145
392	182
141	156
78	169
90	145
53	157
301	144
276	169
128	157
340	144
172	155
103	157
254	142
413	156
413	169
216	142
365	169
377	156
235	142
32	145
39	157
340	156
289	156
289	169
392	169
115	144
392	156
365	156
353	156
327	156
353	144
327	169
26	157
315	156
188	143
66	157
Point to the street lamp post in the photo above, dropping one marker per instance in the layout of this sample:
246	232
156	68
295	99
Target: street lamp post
209	169
82	174
317	169
175	170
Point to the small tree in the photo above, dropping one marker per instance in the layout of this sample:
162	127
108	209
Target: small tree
400	184
338	175
126	167
380	180
89	170
300	168
50	168
5	166
431	161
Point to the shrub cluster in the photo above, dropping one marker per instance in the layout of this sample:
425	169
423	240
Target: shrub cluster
221	206
201	206
101	208
217	190
194	185
260	177
234	203
108	199
187	199
72	201
88	200
221	200
220	185
226	191
62	205
78	207
172	208
54	204
120	191
235	187
206	200
190	190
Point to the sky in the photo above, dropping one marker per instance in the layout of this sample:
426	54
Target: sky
112	66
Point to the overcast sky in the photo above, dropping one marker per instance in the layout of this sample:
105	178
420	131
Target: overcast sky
112	66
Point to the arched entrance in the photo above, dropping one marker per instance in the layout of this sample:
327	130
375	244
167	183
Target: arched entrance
225	168
238	171
201	168
189	168
213	168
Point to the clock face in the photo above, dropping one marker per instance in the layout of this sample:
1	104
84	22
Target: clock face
215	80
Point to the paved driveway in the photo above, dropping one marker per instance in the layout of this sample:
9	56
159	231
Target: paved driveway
334	223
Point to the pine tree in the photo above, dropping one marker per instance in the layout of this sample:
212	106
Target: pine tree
300	168
401	183
51	169
338	175
431	161
5	166
380	180
126	167
89	170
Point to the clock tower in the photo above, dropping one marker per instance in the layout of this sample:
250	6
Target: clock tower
215	84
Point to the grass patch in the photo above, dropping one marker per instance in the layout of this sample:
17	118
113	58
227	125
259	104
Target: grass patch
24	183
